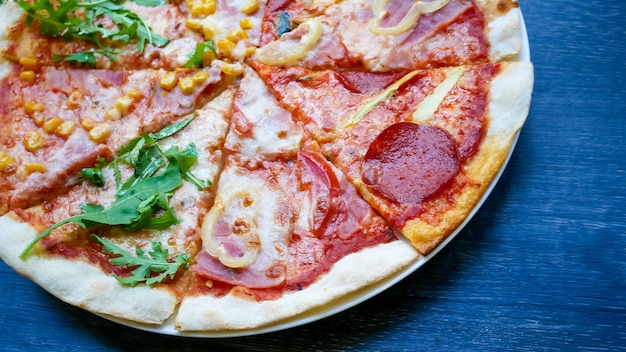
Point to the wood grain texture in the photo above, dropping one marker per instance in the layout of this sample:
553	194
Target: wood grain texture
542	266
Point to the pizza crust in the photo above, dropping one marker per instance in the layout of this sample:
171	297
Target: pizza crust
509	103
355	271
504	24
81	284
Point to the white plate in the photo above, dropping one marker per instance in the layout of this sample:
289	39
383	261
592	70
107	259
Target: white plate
349	300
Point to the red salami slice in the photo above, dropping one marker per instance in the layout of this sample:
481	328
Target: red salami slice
407	163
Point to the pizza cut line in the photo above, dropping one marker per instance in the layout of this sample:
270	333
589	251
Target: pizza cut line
226	165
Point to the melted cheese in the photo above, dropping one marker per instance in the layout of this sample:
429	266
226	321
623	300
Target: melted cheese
273	132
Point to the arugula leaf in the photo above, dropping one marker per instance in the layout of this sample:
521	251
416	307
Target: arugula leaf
195	57
156	262
82	57
93	175
76	19
150	3
171	129
185	159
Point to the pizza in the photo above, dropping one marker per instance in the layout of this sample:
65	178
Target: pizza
227	165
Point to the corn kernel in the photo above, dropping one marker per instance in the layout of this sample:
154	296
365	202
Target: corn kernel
208	7
246	23
31	107
113	114
35	167
225	46
195	10
186	85
100	132
33	141
65	129
235	35
29	63
38	118
27	76
87	123
193	24
5	161
168	81
250	7
122	104
74	99
208	32
232	69
135	94
51	125
250	51
207	58
199	77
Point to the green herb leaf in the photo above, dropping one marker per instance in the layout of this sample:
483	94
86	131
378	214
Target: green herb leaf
84	57
155	262
170	130
185	159
283	23
94	174
195	57
150	3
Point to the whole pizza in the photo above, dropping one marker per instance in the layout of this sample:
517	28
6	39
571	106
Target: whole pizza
226	165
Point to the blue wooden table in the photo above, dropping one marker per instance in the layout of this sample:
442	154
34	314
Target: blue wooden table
542	266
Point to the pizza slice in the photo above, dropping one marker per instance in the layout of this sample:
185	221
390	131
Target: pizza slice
119	242
384	35
59	121
423	149
287	231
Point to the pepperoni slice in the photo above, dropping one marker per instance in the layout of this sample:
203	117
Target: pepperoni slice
407	163
367	82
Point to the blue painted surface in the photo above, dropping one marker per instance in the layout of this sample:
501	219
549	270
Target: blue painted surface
542	266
